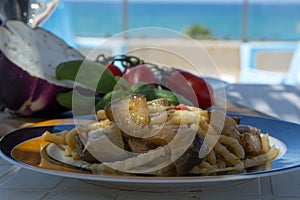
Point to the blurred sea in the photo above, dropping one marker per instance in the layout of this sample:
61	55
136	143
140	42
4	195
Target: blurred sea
224	20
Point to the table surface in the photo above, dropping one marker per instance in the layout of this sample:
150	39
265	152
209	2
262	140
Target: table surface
278	101
19	183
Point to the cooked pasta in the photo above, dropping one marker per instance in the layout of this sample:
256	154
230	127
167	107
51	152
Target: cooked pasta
227	147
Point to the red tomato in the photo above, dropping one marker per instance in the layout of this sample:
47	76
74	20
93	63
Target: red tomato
192	87
181	107
139	73
114	70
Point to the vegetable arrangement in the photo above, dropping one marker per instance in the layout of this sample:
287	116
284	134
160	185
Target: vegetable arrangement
39	76
123	75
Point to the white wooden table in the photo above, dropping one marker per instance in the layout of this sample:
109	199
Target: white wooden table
279	101
18	183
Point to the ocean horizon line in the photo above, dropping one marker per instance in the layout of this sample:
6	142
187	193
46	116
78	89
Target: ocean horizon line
224	21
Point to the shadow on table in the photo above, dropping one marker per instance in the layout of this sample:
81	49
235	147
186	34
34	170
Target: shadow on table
279	101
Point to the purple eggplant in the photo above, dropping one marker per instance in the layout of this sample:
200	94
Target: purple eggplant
28	59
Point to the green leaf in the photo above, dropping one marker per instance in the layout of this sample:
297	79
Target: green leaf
121	83
173	97
145	89
67	100
68	70
90	74
109	97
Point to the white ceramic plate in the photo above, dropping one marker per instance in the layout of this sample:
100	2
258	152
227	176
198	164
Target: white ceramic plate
285	136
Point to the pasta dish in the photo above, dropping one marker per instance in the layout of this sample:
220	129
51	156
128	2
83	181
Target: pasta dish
135	136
